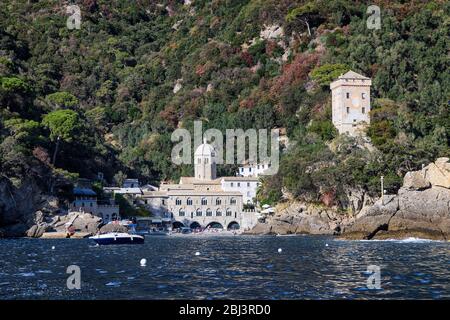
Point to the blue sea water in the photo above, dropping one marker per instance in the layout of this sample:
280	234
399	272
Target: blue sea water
228	267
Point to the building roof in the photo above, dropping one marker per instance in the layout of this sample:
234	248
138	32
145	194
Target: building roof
156	194
128	191
205	149
202	193
193	180
240	178
352	75
83	192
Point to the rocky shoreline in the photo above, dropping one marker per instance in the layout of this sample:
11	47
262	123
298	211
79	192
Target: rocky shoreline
421	209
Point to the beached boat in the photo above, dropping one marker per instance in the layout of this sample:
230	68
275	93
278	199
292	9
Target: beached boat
117	238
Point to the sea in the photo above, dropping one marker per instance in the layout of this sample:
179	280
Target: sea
225	267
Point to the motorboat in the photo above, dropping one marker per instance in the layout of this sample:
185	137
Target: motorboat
117	238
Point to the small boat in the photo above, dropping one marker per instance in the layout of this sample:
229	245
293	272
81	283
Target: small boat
117	238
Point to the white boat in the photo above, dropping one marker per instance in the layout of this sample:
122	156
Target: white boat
117	238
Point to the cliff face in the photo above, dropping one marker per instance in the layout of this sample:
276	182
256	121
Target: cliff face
420	209
306	218
18	205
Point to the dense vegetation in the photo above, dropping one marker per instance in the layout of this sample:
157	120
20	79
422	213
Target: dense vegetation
102	98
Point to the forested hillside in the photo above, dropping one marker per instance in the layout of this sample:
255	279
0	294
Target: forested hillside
110	94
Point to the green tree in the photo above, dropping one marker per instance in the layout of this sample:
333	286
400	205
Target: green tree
62	100
63	125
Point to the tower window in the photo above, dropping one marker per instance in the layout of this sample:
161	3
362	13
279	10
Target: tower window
348	110
363	110
348	95
363	95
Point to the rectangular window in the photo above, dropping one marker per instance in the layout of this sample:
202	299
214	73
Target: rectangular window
248	184
348	110
348	95
239	184
232	184
363	110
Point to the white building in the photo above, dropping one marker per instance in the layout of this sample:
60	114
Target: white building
205	200
351	103
253	170
86	201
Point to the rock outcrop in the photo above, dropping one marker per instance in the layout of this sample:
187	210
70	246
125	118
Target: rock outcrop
301	218
420	209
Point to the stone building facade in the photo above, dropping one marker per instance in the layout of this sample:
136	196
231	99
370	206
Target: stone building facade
351	103
205	200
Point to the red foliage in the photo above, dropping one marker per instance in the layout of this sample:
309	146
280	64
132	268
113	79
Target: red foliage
200	70
170	115
247	104
328	198
41	154
247	57
270	47
294	72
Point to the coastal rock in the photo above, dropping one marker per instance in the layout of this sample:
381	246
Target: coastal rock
300	218
36	231
415	181
84	222
113	227
438	173
418	210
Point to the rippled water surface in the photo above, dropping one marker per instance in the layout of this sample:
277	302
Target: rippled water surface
239	267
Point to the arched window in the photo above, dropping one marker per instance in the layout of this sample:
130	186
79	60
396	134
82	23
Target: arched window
233	201
218	202
181	213
208	212
218	213
189	202
178	201
198	213
204	202
229	213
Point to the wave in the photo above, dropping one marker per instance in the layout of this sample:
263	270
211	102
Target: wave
406	240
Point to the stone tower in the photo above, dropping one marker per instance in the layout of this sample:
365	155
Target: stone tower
205	162
351	103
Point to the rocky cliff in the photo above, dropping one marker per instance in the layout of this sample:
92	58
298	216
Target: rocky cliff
25	210
420	209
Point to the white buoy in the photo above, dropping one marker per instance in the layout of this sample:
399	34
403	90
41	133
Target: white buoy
197	253
326	244
143	262
280	250
53	247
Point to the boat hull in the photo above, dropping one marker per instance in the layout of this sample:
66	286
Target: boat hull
111	240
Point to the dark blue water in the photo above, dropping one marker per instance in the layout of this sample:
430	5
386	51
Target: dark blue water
240	267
